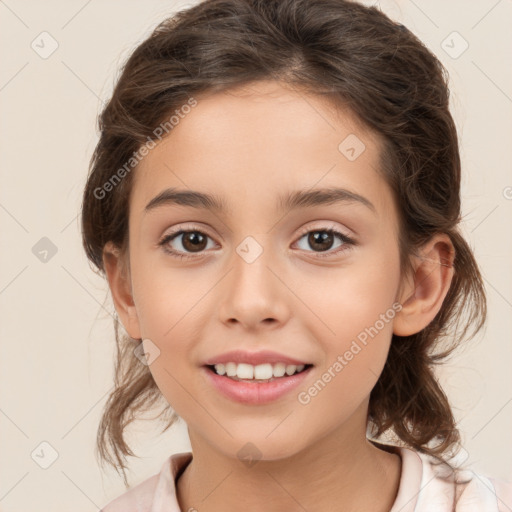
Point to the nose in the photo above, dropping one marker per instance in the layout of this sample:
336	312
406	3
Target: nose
253	293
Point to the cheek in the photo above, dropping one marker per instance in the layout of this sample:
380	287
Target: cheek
353	322
354	359
171	308
166	299
345	301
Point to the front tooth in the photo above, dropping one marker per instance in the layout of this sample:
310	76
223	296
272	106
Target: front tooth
263	371
245	371
290	369
279	369
231	369
260	372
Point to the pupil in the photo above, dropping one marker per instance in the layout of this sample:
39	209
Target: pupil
317	237
196	241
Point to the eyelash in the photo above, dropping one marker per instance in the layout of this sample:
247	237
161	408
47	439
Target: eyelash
347	241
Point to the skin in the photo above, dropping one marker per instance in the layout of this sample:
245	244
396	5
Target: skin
249	145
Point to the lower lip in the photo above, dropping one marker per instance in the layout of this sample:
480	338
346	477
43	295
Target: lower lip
254	392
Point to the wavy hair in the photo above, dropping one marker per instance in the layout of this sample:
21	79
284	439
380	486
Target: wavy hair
355	57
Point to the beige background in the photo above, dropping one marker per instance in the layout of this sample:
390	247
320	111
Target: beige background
57	338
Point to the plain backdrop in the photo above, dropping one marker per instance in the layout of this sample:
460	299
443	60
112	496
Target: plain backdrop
56	333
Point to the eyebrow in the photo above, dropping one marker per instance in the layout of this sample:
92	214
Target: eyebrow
290	201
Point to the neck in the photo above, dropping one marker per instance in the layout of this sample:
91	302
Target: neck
338	472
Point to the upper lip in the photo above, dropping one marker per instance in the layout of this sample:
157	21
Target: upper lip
253	358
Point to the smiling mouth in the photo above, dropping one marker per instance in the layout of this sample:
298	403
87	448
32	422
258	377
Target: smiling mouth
278	373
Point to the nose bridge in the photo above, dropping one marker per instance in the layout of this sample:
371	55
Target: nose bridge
253	247
254	292
251	261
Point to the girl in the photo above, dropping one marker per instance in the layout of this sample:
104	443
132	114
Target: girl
274	200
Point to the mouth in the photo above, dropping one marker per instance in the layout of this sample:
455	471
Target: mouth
256	385
258	374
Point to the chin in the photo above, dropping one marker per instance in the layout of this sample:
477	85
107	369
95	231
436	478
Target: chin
257	447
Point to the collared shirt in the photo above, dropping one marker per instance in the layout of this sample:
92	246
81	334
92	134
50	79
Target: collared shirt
421	489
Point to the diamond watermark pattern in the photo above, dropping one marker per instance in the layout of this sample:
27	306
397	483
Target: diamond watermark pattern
249	249
44	45
454	45
44	250
351	147
147	352
249	454
44	455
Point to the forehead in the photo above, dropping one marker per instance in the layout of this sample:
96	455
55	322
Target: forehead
263	138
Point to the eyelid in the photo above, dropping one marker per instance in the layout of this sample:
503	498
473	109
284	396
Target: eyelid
326	226
190	226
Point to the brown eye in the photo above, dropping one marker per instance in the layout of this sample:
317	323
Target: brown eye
323	240
185	243
193	241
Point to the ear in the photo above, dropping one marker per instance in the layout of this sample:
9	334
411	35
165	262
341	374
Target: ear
119	281
422	293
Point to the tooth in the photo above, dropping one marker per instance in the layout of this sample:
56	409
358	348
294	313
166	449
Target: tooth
231	369
279	370
263	371
290	369
245	371
220	369
260	372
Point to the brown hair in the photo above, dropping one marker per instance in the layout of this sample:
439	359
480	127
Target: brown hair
356	57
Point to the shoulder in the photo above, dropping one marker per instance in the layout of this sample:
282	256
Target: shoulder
470	490
137	499
428	484
487	493
156	493
503	489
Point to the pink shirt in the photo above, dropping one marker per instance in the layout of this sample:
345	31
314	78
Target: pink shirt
421	489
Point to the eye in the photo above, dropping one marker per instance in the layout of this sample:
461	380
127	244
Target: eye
193	241
323	239
196	241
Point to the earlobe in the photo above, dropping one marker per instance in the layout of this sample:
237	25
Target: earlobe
119	282
423	295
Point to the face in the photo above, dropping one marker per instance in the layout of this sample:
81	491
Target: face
262	274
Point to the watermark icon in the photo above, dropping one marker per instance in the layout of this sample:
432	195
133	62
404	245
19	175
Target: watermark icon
147	352
507	193
137	156
351	147
44	250
249	454
304	397
44	45
44	455
454	45
249	249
